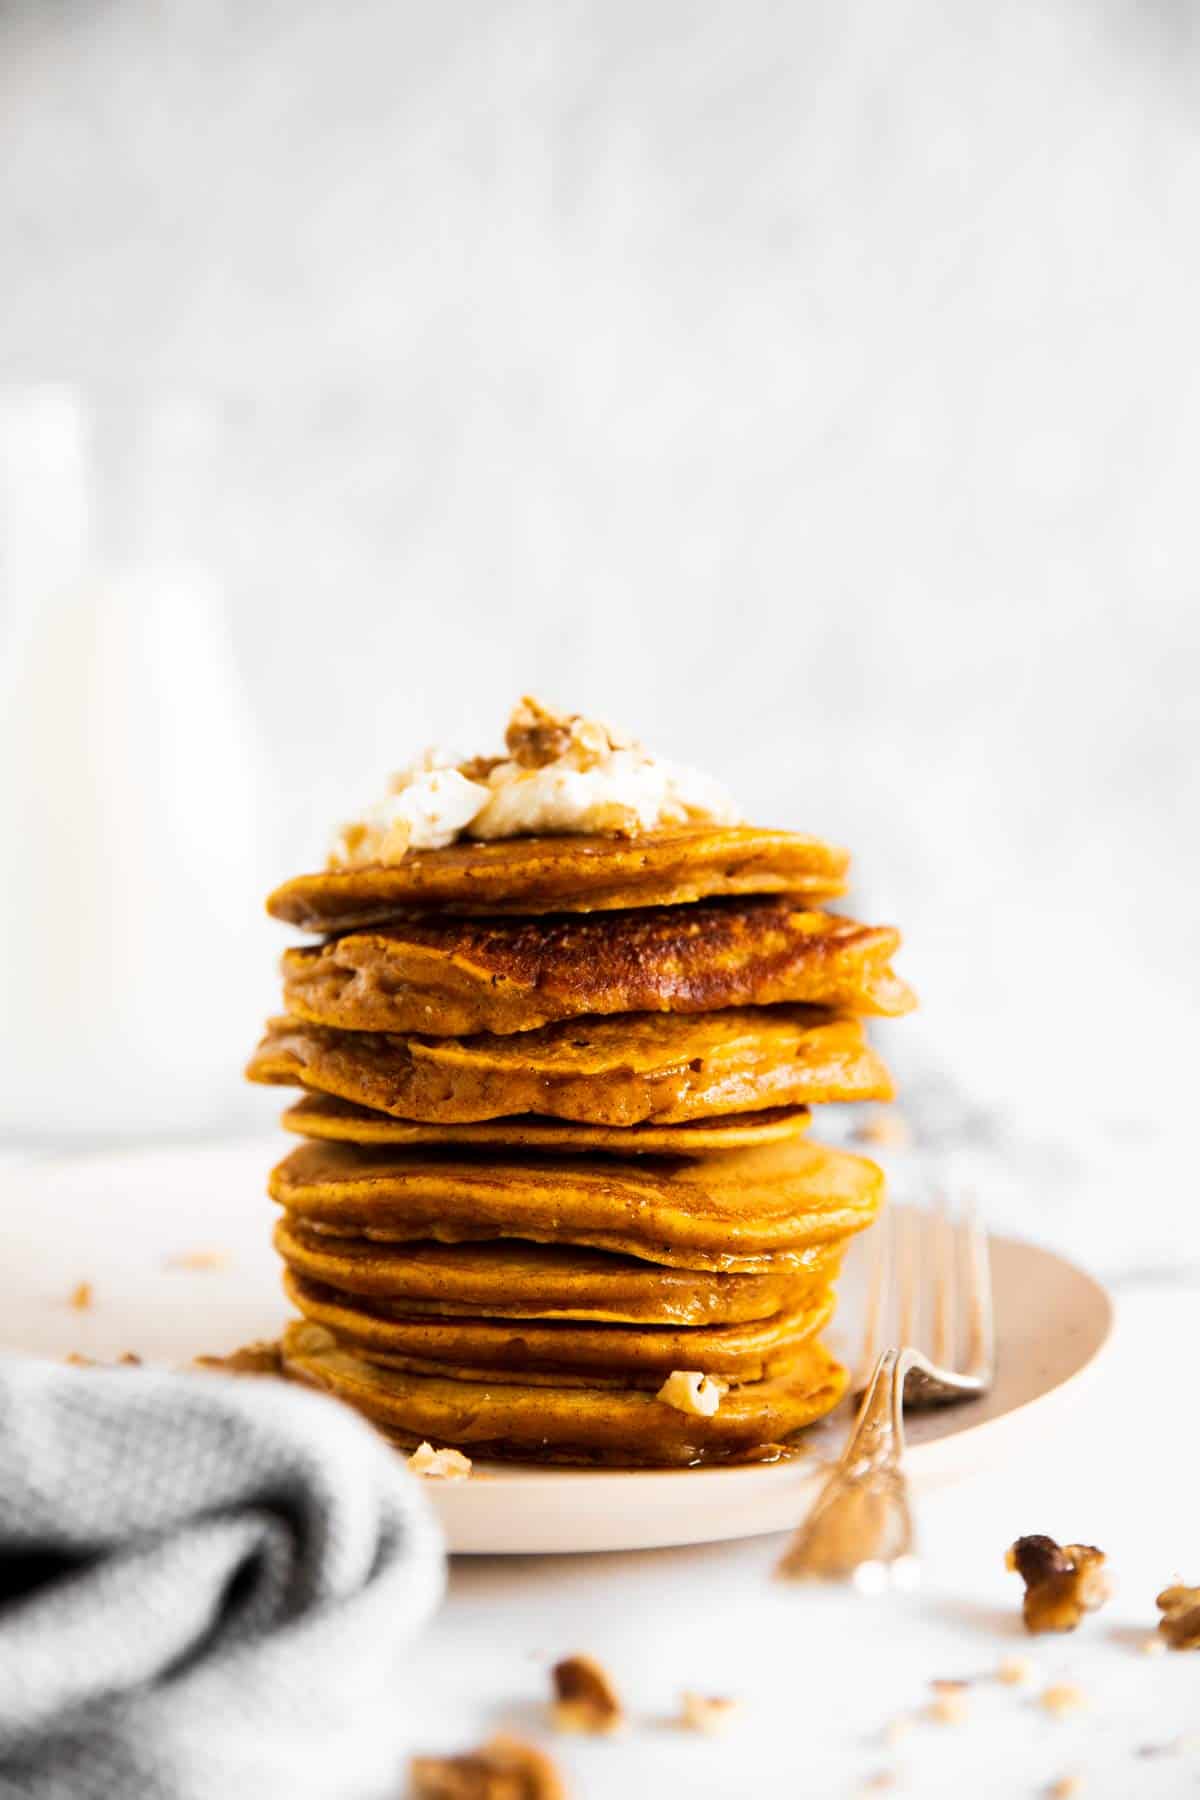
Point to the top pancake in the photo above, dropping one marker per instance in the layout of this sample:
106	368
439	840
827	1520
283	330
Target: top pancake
454	975
568	874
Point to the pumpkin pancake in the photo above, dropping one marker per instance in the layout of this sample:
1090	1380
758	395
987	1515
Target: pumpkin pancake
751	1211
663	1067
568	874
504	1278
622	1427
560	1350
322	1116
452	976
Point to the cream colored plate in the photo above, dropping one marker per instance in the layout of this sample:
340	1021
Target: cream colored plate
126	1222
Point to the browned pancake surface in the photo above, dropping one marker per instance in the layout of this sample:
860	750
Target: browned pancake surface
507	1278
663	1068
750	1211
560	1350
570	1424
462	976
569	874
323	1116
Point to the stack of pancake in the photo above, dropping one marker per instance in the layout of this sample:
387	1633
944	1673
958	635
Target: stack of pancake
555	1098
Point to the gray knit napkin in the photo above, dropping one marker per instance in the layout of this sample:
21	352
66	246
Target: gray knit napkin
207	1587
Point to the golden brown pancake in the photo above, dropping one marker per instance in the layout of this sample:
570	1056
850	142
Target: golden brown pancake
505	1278
447	976
568	874
637	1067
628	1428
560	1350
323	1116
751	1211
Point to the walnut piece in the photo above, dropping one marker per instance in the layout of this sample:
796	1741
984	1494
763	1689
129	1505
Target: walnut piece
707	1713
259	1358
504	1769
1180	1622
1062	1582
691	1391
439	1465
82	1297
537	736
585	1698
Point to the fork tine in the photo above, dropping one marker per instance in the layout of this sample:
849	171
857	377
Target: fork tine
978	1283
882	1252
944	1285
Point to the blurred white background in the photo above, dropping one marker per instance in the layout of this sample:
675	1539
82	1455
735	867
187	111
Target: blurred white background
811	388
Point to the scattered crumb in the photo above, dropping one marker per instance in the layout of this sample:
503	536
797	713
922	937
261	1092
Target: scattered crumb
1154	1646
504	1769
877	1783
886	1127
439	1465
199	1259
950	1707
1179	1626
1061	1698
1016	1671
127	1360
77	1360
707	1713
259	1358
1062	1581
949	1685
584	1697
1065	1787
82	1297
897	1729
690	1391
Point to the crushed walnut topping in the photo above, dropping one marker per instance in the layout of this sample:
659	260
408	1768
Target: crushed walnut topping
1179	1625
506	1768
439	1465
1062	1582
82	1296
707	1713
585	1698
691	1391
562	774
260	1358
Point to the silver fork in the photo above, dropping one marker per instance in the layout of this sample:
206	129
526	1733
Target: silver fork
860	1526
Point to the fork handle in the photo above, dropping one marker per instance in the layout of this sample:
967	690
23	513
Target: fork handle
862	1513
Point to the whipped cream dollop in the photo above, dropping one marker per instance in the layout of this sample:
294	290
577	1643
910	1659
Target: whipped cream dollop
562	774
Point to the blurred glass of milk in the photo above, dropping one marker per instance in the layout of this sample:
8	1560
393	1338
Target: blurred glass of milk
132	815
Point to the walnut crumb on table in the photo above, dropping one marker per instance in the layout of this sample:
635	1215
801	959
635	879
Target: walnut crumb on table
198	1259
1062	1581
949	1705
505	1768
707	1713
1016	1671
1179	1626
1062	1698
82	1297
585	1698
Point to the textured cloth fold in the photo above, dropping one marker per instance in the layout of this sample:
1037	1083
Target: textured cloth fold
207	1585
